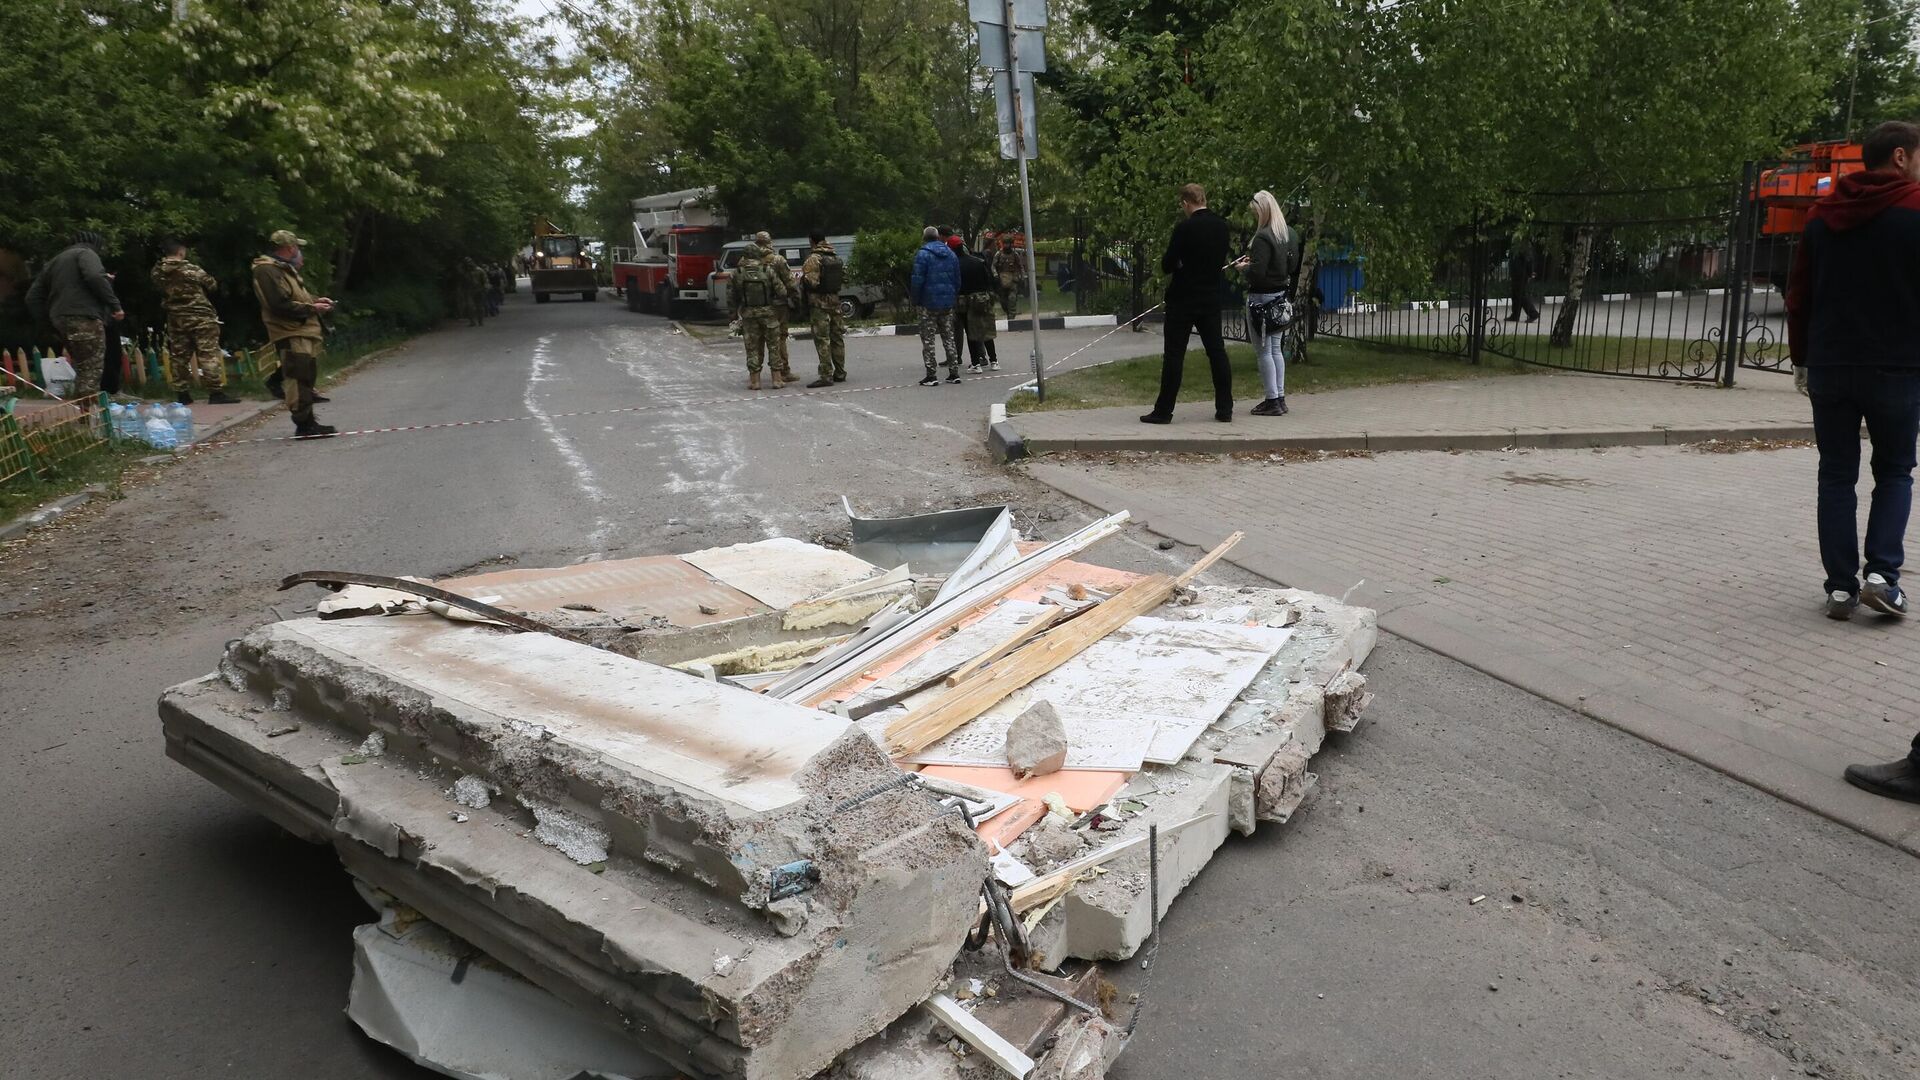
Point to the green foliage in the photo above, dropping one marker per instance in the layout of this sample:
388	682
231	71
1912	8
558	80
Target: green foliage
831	114
396	137
884	257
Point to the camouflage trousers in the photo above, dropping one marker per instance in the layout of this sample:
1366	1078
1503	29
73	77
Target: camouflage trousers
86	341
193	351
938	323
757	327
299	368
830	340
777	348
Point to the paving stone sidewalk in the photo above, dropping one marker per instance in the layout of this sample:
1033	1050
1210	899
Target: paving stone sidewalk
1476	414
1672	592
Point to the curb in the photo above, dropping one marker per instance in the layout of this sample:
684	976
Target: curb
1499	439
44	515
1047	322
1002	440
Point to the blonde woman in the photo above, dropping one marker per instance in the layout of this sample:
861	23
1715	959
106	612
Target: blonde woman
1269	263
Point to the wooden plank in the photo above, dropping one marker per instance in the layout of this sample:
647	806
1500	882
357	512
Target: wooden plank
1018	638
1208	560
975	1033
926	725
969	698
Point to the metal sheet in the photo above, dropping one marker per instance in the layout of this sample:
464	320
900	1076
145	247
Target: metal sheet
930	544
662	585
428	995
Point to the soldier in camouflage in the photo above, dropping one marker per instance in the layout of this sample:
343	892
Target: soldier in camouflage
74	293
1010	270
783	311
822	275
193	329
292	318
757	293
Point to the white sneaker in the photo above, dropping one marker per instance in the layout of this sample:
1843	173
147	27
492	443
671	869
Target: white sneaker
1883	596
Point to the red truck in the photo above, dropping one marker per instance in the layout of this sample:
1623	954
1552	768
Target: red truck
677	238
1786	193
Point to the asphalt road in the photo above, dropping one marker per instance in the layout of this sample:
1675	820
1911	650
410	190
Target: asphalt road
155	928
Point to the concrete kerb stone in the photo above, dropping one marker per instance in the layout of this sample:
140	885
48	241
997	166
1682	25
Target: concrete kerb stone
1685	724
1380	442
47	514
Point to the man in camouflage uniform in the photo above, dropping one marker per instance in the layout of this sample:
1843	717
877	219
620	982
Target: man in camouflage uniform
470	289
757	292
292	317
193	329
782	312
822	275
1009	268
74	294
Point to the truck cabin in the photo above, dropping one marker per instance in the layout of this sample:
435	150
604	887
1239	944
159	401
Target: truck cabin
557	252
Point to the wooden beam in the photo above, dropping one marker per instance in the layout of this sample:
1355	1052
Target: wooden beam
984	688
1019	637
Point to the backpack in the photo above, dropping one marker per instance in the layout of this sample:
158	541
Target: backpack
754	284
832	274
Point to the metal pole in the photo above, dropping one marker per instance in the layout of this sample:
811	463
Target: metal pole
1020	136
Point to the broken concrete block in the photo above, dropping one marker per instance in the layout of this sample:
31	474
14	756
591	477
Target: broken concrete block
1347	697
1037	741
1050	843
725	825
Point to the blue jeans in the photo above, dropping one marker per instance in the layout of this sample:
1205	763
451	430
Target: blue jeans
1888	399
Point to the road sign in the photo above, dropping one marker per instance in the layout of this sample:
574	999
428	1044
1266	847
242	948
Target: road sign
1030	47
1003	87
1028	13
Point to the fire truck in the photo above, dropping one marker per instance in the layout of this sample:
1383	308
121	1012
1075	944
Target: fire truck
677	239
1786	193
560	264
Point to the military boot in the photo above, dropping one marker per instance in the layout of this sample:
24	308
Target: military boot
753	380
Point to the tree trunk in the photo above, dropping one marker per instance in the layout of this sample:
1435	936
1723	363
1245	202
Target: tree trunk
1577	257
343	260
1303	284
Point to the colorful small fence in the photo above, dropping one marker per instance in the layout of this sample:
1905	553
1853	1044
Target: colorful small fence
32	445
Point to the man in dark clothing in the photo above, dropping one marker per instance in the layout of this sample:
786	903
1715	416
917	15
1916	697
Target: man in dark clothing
975	311
1195	263
1853	330
1520	270
74	293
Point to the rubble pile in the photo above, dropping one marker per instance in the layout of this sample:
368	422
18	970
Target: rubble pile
772	811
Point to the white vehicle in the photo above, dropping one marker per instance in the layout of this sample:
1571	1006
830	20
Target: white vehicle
856	301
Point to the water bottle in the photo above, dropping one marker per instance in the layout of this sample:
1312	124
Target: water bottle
158	430
181	417
117	419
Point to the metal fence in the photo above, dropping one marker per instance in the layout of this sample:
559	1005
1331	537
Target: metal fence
1683	284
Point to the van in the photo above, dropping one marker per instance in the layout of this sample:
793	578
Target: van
857	301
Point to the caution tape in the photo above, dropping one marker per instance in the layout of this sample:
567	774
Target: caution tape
761	396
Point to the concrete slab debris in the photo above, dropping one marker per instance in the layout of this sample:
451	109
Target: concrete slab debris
739	885
782	572
665	586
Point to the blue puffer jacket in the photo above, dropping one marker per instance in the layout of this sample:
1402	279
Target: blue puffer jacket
936	276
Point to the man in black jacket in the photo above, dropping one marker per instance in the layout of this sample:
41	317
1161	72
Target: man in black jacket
1853	330
74	293
1195	263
